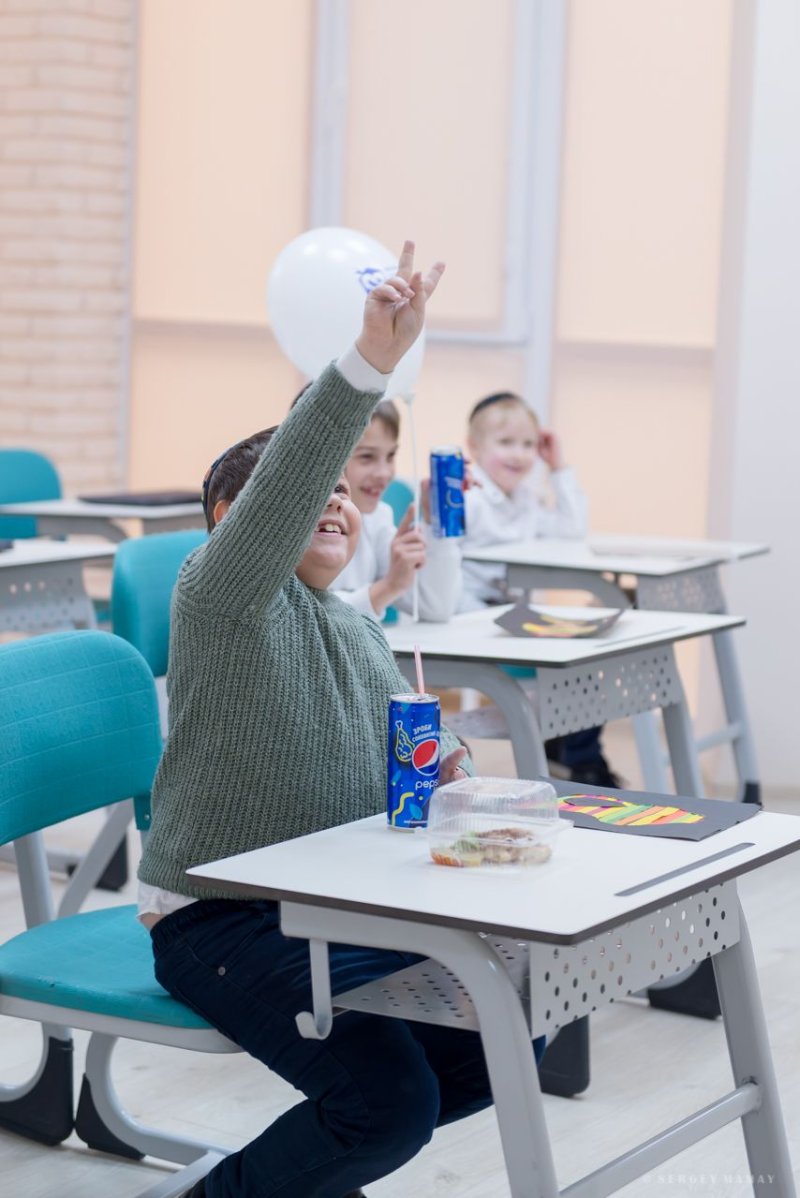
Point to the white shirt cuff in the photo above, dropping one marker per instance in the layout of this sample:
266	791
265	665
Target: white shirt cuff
359	374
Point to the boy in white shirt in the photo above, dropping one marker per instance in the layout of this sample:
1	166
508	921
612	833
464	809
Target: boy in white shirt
381	571
505	441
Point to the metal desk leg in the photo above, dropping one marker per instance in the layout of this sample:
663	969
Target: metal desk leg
736	710
701	591
523	725
651	755
695	994
751	1060
503	1026
682	748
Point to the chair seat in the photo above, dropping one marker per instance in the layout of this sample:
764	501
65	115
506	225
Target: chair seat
99	961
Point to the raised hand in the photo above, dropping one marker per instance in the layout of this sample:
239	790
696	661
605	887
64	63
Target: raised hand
407	553
394	312
549	448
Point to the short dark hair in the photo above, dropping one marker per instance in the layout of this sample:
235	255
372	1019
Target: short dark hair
500	399
495	397
228	473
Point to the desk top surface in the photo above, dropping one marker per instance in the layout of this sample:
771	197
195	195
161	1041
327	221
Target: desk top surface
594	881
76	509
651	556
474	636
41	551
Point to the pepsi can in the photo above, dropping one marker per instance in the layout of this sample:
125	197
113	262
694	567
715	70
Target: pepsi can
413	759
447	492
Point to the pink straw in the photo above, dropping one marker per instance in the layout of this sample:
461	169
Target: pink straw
420	675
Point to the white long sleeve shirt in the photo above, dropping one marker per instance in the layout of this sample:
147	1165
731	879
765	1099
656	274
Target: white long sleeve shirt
493	518
439	579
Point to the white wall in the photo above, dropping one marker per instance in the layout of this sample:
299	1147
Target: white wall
755	480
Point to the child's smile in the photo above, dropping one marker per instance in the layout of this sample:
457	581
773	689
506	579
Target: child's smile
506	447
333	541
372	466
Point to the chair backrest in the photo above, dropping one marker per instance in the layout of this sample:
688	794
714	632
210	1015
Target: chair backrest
398	495
24	475
79	728
145	570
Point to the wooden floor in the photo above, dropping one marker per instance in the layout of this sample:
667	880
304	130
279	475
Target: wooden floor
649	1069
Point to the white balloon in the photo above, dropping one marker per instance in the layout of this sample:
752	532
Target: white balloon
315	298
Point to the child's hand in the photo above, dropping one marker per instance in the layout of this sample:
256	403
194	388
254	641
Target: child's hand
394	312
407	554
450	766
425	490
549	449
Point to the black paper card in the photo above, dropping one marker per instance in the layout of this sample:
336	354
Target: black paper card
524	620
639	813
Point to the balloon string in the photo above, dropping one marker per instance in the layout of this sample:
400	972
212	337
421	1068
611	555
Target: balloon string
408	399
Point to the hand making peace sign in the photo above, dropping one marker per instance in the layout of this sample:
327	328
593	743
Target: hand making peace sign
394	312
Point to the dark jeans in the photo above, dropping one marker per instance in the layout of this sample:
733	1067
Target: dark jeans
375	1088
576	749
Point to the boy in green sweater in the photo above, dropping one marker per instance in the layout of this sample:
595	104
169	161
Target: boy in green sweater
278	704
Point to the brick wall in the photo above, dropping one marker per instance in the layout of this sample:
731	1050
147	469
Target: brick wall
66	80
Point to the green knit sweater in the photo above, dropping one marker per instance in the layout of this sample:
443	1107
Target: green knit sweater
277	691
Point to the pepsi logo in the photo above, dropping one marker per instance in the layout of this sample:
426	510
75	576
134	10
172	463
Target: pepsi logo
425	757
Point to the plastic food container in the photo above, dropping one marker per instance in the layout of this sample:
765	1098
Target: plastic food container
498	824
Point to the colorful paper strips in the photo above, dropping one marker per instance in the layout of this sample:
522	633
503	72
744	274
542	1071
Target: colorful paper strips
624	812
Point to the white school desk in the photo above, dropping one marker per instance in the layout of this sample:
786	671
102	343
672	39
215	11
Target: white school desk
41	584
669	575
581	682
76	517
521	955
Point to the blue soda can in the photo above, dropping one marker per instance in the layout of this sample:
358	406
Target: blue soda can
413	759
447	492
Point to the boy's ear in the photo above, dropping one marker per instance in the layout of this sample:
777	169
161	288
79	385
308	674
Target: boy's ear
221	508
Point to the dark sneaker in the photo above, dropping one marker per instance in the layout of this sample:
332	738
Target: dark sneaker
595	773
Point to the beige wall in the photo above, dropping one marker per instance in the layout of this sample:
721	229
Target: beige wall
436	164
223	138
644	142
223	175
223	182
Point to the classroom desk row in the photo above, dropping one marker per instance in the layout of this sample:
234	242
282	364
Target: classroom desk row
81	517
662	574
41	586
41	579
497	958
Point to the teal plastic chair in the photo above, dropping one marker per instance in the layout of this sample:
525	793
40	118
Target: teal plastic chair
24	475
78	731
398	495
145	570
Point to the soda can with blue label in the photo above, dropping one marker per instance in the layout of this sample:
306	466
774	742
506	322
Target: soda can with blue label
447	492
413	759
